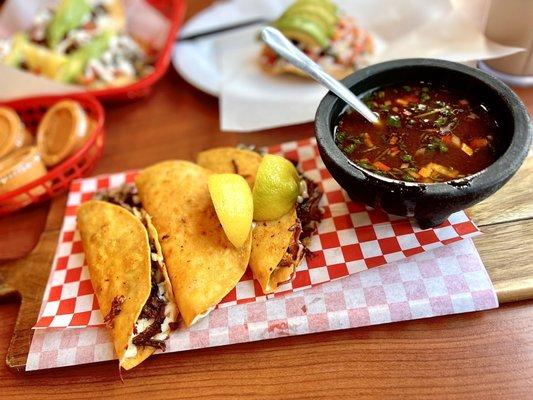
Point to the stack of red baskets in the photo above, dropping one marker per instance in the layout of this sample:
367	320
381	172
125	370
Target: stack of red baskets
79	164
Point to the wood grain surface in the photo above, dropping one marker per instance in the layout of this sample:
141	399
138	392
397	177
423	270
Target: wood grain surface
479	355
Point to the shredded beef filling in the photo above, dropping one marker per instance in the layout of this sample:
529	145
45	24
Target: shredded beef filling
116	308
308	211
291	255
154	308
126	196
309	215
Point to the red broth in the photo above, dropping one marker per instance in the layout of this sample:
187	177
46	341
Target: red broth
428	134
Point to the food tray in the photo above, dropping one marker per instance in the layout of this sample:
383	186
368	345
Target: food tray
57	180
350	238
174	10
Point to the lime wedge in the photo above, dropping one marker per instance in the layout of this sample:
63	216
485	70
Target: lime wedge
233	203
276	188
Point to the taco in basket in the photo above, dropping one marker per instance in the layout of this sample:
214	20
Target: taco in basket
128	273
202	263
277	246
327	35
80	42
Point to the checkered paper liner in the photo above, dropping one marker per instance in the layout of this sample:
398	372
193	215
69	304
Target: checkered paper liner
447	280
351	238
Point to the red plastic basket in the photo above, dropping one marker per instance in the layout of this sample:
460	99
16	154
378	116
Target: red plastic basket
174	10
31	111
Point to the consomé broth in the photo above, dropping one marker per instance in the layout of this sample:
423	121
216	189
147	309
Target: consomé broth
428	134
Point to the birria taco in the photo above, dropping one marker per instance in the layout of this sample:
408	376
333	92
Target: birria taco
202	263
277	246
128	274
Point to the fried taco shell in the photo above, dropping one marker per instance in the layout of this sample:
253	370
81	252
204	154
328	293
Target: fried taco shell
276	251
203	265
117	247
276	245
230	160
281	68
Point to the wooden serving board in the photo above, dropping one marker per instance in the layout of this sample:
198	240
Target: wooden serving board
506	219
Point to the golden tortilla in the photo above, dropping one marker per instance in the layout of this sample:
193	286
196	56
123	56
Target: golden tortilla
270	241
117	252
202	264
230	160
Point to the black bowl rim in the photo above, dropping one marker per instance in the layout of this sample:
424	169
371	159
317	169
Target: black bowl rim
502	168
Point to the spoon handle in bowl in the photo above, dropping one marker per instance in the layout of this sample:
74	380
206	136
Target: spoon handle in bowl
281	45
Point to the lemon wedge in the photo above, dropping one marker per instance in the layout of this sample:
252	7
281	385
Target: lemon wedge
233	202
276	188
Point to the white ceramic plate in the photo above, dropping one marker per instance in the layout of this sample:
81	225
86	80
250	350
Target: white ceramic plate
196	60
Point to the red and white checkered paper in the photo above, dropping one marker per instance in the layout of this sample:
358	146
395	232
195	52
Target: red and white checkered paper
351	238
448	280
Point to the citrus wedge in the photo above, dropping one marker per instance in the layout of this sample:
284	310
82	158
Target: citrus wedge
233	202
276	188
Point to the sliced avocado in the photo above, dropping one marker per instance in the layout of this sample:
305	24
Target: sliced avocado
324	26
319	15
303	30
329	17
77	61
68	15
18	48
327	4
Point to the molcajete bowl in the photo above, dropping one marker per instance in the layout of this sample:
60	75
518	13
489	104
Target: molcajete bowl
429	203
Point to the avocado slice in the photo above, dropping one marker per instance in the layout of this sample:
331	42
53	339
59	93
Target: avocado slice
324	26
326	4
18	49
68	15
303	30
326	19
77	61
312	9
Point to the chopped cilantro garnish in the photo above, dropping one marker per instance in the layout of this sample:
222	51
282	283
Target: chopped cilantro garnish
340	137
437	145
407	158
350	148
394	121
356	140
407	88
424	97
441	121
367	165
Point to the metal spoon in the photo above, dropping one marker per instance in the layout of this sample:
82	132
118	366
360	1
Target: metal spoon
281	45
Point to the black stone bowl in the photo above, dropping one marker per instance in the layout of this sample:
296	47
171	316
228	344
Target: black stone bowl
429	203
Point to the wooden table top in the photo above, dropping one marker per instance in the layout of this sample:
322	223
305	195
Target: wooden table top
477	355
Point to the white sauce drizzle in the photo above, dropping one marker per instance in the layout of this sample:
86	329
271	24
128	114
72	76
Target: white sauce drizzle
6	45
143	323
